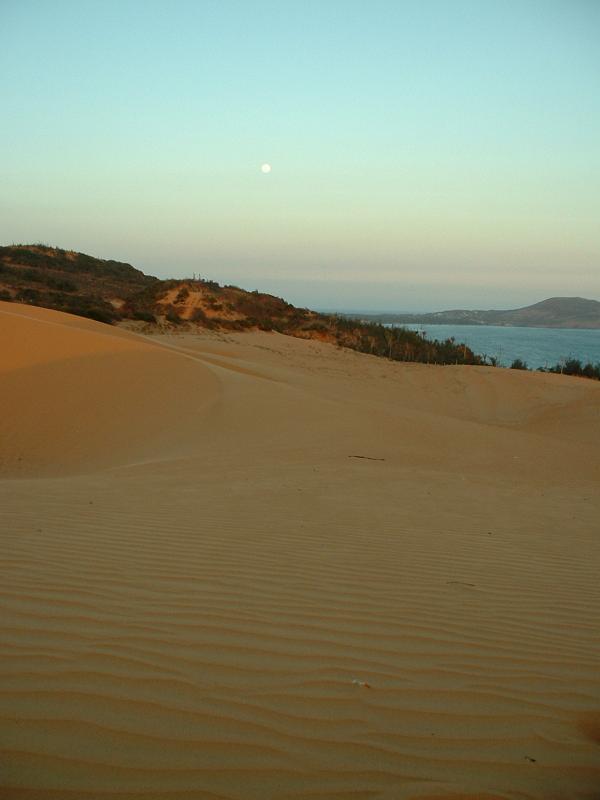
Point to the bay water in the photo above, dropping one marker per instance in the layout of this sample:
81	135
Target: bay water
538	347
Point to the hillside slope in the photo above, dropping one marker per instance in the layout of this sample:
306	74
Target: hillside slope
68	281
117	293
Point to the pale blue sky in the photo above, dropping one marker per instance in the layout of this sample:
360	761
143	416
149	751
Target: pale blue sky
424	154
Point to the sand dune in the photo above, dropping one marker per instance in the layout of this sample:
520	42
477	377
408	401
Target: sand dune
249	566
78	395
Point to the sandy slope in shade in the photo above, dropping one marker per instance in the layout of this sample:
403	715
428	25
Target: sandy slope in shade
77	395
186	606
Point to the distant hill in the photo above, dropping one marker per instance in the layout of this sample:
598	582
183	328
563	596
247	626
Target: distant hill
556	312
118	293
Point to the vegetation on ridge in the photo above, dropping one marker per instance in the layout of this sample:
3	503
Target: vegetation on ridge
570	366
114	292
68	281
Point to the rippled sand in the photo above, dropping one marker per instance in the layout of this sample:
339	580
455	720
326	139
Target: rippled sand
251	567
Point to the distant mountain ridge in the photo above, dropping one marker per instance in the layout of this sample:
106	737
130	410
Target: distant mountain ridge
555	312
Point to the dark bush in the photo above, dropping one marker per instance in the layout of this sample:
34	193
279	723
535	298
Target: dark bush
28	295
32	275
182	294
60	284
573	366
173	317
144	316
99	314
518	364
199	316
591	371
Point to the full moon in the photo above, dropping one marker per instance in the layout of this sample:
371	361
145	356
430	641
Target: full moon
266	168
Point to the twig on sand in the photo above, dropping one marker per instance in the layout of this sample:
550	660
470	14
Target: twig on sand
369	458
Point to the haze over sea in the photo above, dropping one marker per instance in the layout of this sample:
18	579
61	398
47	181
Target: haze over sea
538	347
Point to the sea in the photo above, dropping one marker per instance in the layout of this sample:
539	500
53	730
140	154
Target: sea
538	347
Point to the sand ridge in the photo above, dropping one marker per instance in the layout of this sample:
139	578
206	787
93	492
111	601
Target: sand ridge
196	613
